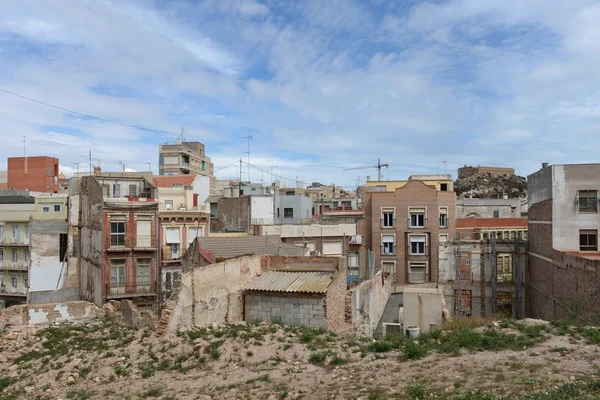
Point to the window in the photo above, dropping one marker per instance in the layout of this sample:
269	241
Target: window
443	238
288	213
467	236
443	217
116	190
117	233
203	165
175	251
57	208
117	273
15	255
26	256
132	191
417	272
277	212
143	271
27	233
387	244
389	269
25	281
1	233
353	264
462	302
417	244
62	247
417	218
15	229
333	248
504	267
194	232
106	190
387	218
168	204
496	214
443	187
588	240
1	255
143	233
45	208
13	281
587	200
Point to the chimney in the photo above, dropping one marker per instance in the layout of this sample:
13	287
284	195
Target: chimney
544	164
97	171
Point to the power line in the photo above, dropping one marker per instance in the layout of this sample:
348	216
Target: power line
88	115
220	169
278	176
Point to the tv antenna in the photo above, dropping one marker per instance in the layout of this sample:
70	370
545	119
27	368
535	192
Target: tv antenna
247	152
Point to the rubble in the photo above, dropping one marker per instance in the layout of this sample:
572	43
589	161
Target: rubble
487	185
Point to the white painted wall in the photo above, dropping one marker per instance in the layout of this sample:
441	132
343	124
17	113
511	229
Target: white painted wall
422	307
313	230
262	209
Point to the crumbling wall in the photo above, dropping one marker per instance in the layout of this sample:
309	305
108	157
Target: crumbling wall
422	307
213	293
366	303
74	237
49	313
47	269
91	240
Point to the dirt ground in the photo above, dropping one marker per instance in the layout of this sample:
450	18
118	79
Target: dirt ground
105	360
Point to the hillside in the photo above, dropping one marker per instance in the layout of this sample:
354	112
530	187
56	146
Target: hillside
487	185
105	360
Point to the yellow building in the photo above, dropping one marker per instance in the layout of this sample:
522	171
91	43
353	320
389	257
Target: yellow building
442	183
51	207
16	210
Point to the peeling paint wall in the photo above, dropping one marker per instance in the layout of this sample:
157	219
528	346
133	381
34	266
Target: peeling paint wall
74	235
47	270
91	249
213	293
49	313
366	303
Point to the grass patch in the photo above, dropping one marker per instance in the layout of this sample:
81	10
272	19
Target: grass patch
417	391
84	372
262	378
6	382
318	358
414	351
80	394
337	360
155	391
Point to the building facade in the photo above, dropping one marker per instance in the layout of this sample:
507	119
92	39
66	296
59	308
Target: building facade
406	223
35	174
186	158
564	218
119	247
489	208
16	211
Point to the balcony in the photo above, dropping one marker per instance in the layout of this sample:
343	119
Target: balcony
144	242
11	291
133	289
13	266
9	241
184	164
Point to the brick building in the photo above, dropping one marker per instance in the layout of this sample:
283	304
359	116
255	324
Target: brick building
36	174
405	227
118	239
564	262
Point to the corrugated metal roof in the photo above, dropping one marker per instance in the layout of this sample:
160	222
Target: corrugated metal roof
232	247
291	282
17	200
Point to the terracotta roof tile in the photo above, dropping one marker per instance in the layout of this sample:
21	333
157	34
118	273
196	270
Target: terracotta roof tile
169	181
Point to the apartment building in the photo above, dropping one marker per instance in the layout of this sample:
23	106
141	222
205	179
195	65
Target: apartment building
330	197
183	215
358	262
491	208
564	261
406	222
186	158
16	210
35	174
118	239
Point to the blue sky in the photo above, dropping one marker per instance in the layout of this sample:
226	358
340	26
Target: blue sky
320	85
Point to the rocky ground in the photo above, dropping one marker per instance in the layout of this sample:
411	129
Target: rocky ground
464	361
491	186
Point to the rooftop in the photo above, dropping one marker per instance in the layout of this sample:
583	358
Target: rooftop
165	181
491	223
16	199
291	282
232	247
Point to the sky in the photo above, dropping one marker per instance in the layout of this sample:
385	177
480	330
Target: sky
320	85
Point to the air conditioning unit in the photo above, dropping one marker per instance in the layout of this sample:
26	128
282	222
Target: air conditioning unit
356	239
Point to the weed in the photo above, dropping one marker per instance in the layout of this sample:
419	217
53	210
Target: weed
262	378
318	358
84	372
337	360
155	391
215	354
121	371
287	346
376	394
414	351
80	394
6	382
249	353
417	391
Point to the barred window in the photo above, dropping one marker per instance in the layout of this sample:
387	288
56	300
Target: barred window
588	201
588	240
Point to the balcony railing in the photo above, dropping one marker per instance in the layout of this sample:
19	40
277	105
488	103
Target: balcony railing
13	266
131	289
7	289
15	241
143	241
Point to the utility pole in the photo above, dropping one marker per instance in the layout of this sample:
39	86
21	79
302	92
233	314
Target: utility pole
494	275
240	181
459	278
150	166
248	152
90	162
518	276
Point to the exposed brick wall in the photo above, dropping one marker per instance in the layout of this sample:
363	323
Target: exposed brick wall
541	211
310	263
37	178
335	304
297	310
566	288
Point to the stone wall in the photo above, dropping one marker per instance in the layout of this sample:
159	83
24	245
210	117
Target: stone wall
366	303
49	313
297	310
